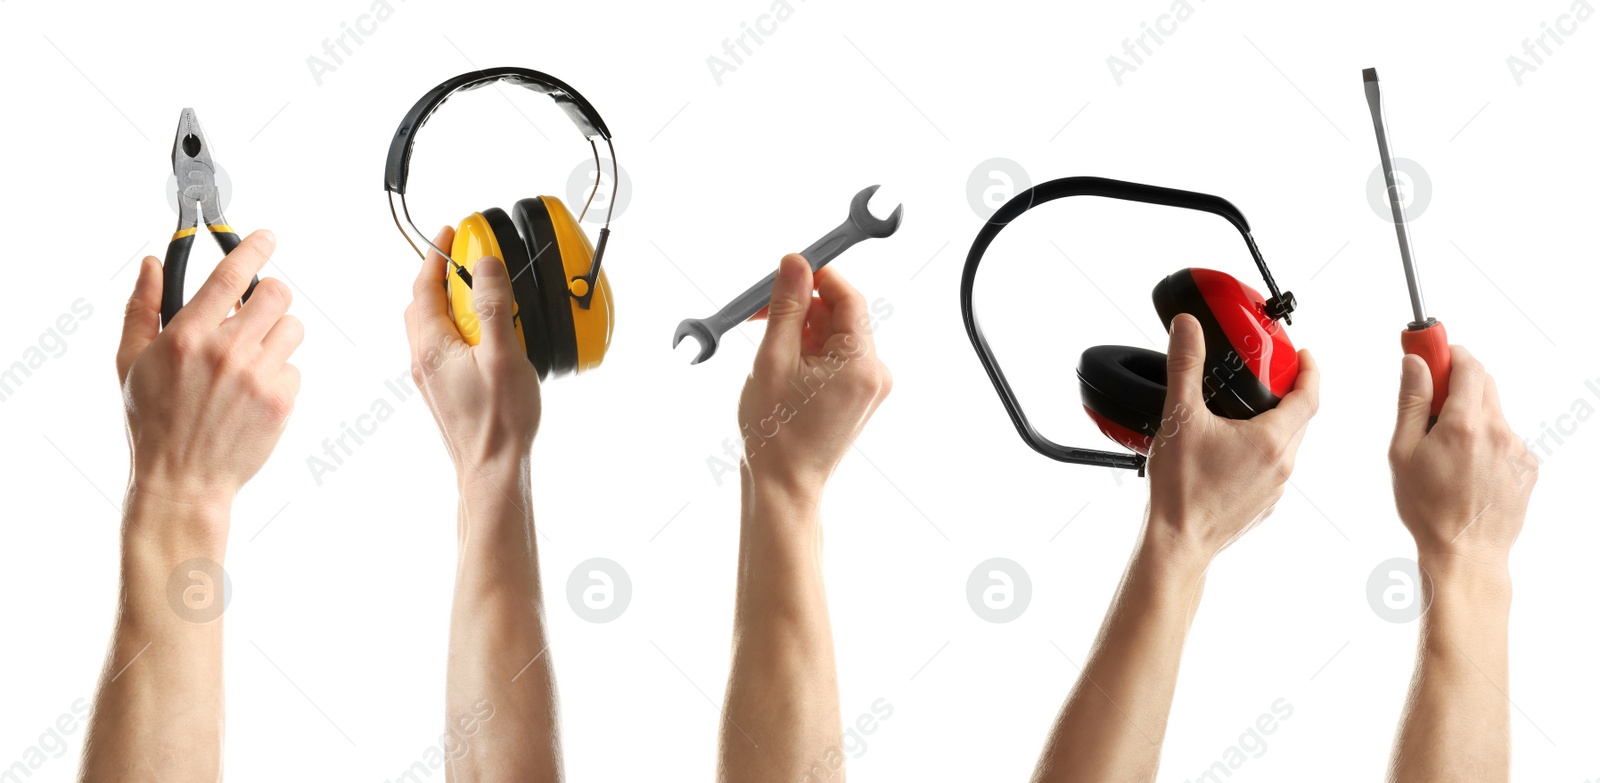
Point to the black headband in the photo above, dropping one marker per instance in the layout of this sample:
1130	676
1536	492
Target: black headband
577	107
1280	305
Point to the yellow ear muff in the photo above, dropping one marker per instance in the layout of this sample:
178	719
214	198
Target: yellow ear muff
591	327
475	238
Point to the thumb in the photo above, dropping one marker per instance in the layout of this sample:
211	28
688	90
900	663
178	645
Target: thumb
1416	397
786	315
141	321
1186	365
491	298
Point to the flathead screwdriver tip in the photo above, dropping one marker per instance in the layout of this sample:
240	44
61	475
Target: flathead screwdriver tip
1369	74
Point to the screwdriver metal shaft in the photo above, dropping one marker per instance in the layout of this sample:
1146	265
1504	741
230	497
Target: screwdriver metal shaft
1380	126
1424	337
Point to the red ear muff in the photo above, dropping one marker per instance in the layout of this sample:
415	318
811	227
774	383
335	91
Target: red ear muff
1124	390
1250	363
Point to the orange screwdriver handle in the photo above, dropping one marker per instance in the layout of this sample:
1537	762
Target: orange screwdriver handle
1428	341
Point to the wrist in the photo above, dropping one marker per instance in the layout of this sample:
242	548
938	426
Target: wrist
496	504
495	477
780	513
1169	540
778	492
781	485
168	521
171	491
1482	581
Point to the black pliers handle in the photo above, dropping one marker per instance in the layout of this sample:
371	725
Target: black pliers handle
198	200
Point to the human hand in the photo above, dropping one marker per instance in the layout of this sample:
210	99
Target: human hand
816	380
1462	487
208	397
1213	478
484	397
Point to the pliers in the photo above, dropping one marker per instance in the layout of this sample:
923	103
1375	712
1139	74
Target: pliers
197	199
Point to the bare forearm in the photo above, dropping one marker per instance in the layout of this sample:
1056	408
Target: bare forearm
500	699
1456	724
782	705
158	714
1112	725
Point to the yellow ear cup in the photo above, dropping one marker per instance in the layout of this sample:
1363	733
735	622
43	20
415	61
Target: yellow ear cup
592	326
474	240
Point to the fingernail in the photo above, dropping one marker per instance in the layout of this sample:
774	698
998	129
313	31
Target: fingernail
489	266
272	239
790	271
1183	326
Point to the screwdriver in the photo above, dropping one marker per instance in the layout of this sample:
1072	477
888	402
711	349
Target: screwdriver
1424	336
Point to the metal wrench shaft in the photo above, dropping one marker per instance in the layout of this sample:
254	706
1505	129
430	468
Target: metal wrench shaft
746	305
861	224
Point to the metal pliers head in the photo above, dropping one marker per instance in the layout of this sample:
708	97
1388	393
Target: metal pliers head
198	200
196	174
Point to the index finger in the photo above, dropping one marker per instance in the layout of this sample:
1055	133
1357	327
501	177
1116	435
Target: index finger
229	281
428	292
1466	386
849	307
1300	404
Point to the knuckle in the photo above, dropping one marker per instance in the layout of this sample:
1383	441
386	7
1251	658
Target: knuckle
865	383
133	308
786	306
259	387
187	343
230	276
1285	462
1458	428
292	331
1182	362
488	306
279	404
226	354
273	293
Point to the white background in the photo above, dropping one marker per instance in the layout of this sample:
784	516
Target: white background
336	630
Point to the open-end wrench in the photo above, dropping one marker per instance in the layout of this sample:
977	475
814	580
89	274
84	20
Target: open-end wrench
861	224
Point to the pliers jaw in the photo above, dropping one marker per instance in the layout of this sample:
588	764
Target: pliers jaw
196	174
197	200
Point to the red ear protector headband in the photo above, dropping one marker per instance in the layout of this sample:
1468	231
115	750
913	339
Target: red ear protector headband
1250	363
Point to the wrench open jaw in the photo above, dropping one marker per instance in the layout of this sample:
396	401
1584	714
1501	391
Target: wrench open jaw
702	334
861	224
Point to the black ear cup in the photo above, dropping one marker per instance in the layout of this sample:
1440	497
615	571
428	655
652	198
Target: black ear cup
532	219
524	287
1125	386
